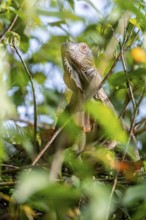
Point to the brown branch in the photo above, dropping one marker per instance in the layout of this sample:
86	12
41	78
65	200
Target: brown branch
135	113
49	143
109	73
124	108
47	146
11	183
8	28
133	119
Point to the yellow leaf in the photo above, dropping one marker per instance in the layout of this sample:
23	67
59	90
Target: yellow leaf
134	22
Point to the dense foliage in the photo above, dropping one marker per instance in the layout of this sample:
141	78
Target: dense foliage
99	184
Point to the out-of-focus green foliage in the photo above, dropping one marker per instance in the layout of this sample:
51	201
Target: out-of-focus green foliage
99	183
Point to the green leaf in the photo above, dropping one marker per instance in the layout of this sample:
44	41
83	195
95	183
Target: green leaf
56	23
37	183
100	195
132	7
72	4
39	77
134	21
137	77
65	14
108	121
2	151
29	184
118	80
135	194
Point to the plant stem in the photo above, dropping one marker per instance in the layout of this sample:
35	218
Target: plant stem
34	97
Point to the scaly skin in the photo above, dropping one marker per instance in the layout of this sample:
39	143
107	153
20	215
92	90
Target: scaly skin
80	72
81	76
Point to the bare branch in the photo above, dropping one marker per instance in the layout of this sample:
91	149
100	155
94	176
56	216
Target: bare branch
33	92
8	28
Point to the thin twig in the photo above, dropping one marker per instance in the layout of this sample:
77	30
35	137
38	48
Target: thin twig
33	92
135	112
9	27
111	194
109	73
49	143
140	131
131	96
7	183
140	123
134	39
126	148
124	109
133	120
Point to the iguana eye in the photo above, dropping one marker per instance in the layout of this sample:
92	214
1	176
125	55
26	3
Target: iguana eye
83	48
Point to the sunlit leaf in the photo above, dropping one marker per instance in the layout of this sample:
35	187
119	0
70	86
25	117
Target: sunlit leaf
108	120
29	184
134	22
3	155
107	157
65	14
99	195
6	105
33	182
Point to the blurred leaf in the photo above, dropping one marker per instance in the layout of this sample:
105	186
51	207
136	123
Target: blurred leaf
56	23
80	168
132	7
39	77
29	185
134	22
108	120
6	105
12	38
65	14
107	157
52	49
118	80
99	195
72	3
19	136
137	77
19	77
135	194
3	155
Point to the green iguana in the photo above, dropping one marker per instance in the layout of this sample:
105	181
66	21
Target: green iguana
80	72
82	77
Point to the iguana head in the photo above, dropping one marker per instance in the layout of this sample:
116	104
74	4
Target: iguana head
78	64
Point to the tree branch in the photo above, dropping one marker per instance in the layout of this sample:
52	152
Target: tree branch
33	92
8	28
